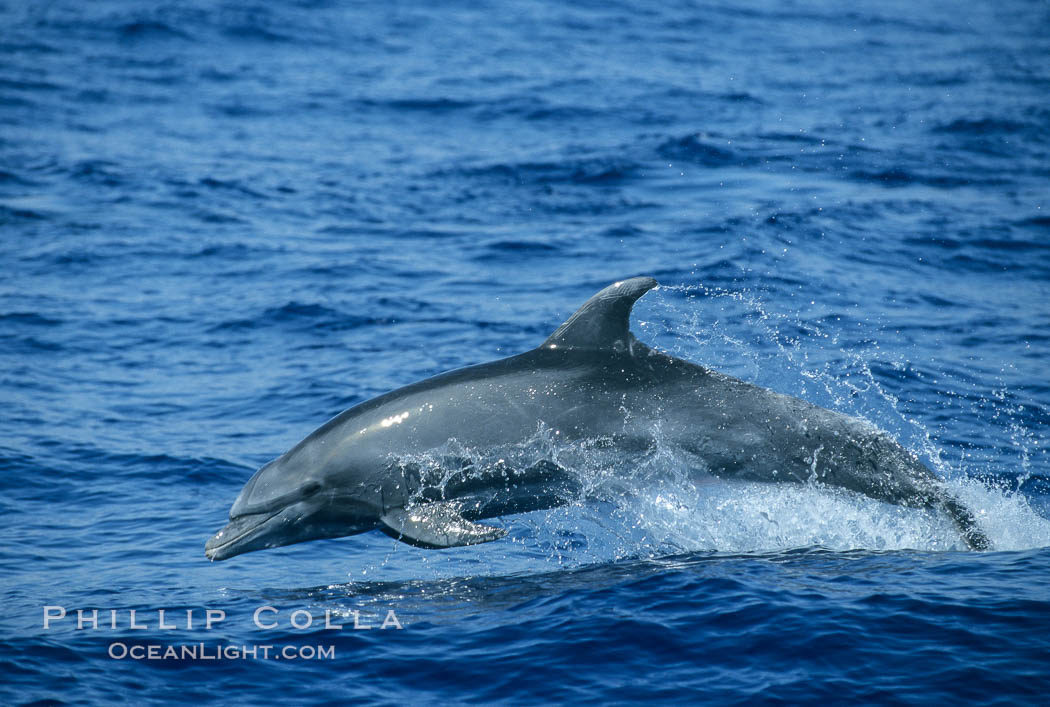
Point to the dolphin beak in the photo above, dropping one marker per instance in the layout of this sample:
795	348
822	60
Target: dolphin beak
240	535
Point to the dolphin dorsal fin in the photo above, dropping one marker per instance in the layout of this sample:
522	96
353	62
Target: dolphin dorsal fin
603	322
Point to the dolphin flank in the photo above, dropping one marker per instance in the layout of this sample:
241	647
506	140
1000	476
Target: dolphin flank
590	380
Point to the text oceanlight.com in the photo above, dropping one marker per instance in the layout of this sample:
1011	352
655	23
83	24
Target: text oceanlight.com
203	651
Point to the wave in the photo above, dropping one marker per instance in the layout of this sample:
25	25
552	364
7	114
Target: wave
18	215
32	319
145	30
299	315
900	177
985	127
599	170
693	148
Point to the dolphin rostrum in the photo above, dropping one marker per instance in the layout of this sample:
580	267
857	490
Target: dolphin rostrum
591	380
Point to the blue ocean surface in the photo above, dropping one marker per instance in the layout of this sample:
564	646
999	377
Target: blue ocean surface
224	222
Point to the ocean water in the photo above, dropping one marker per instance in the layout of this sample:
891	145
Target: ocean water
225	222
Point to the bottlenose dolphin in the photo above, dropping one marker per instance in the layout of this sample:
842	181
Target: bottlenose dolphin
591	380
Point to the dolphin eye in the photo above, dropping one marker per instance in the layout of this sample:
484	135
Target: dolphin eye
310	488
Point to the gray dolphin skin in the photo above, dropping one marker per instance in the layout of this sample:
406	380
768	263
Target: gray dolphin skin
591	380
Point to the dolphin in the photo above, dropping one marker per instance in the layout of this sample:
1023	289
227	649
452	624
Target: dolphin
590	380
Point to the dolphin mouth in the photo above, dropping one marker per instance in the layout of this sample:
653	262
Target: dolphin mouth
238	535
